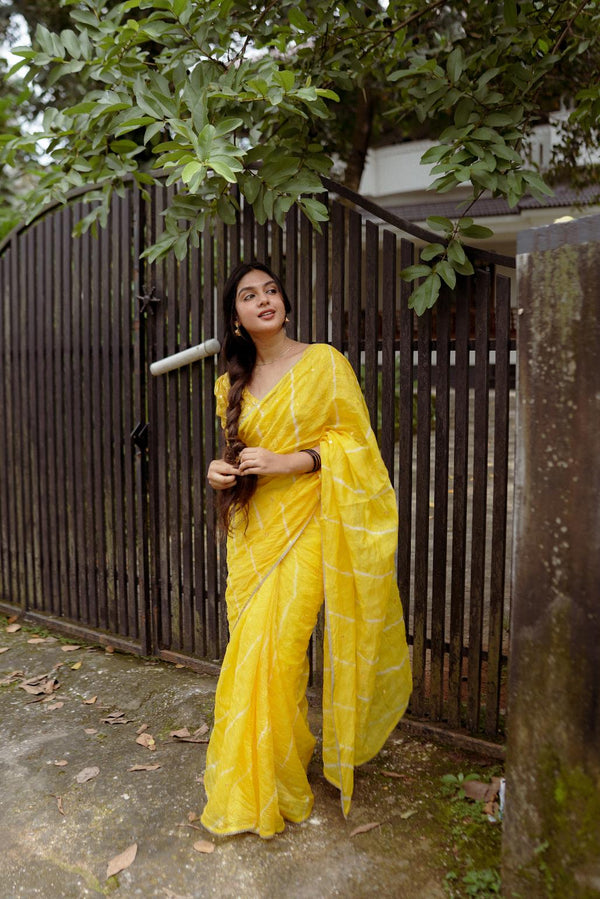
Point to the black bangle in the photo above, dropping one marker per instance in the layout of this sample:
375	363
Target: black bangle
315	456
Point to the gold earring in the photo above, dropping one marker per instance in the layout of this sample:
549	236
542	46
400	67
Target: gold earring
287	321
236	330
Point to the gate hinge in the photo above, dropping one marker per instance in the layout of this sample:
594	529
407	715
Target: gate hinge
139	436
146	300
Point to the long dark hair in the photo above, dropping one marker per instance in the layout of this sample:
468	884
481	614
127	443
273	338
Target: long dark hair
238	357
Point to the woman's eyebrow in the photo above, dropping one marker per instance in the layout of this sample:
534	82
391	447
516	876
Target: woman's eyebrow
255	286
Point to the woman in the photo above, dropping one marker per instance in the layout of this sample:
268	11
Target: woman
311	516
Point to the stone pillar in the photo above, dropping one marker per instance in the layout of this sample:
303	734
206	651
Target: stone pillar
551	834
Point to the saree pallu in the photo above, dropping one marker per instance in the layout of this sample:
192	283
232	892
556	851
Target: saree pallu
328	536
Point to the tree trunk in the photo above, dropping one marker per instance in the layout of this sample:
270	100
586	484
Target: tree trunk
361	137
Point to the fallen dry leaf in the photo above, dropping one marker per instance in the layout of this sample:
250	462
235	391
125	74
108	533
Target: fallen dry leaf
11	678
109	649
193	816
90	730
13	628
184	736
59	804
60	763
87	774
122	861
409	814
90	701
116	717
204	846
76	666
54	706
179	665
40	685
144	767
4	649
70	647
12	619
364	828
142	728
394	774
146	740
37	640
481	792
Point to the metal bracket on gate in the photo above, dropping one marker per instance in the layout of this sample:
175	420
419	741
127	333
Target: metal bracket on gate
139	436
146	300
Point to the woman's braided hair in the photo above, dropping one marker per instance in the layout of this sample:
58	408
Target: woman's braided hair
238	357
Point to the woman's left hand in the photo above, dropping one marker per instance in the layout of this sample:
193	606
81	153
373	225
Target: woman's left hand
259	461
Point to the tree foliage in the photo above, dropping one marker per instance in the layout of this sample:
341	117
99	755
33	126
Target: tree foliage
221	92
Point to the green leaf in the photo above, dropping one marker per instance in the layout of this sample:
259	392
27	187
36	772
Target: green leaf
222	168
315	210
434	154
298	20
445	270
191	169
431	251
477	232
440	223
426	294
536	184
286	79
412	272
456	254
226	126
510	13
455	64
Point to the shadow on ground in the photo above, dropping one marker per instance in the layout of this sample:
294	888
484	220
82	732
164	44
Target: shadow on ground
57	835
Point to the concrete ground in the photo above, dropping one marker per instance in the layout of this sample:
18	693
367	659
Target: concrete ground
58	835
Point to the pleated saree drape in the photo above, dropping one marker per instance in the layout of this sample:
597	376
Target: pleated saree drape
327	536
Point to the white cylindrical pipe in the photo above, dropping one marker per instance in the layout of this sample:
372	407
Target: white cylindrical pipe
208	348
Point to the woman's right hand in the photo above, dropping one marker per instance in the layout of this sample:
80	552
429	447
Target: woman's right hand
221	474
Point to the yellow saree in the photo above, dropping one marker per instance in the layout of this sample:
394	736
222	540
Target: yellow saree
329	535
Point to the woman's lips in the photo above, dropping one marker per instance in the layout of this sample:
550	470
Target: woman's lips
268	313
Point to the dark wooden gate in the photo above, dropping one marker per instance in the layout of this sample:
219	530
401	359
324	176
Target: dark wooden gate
107	527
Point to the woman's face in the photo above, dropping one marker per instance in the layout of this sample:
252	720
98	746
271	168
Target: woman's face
259	306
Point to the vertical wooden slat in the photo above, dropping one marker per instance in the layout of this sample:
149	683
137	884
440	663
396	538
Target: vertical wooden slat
291	268
107	453
212	645
221	270
499	504
141	505
371	319
47	493
305	281
11	437
405	435
354	289
480	478
5	592
262	246
388	354
30	330
80	423
60	474
322	284
422	513
248	253
338	271
187	568
66	323
117	387
440	522
173	474
197	524
98	446
19	474
277	249
459	501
